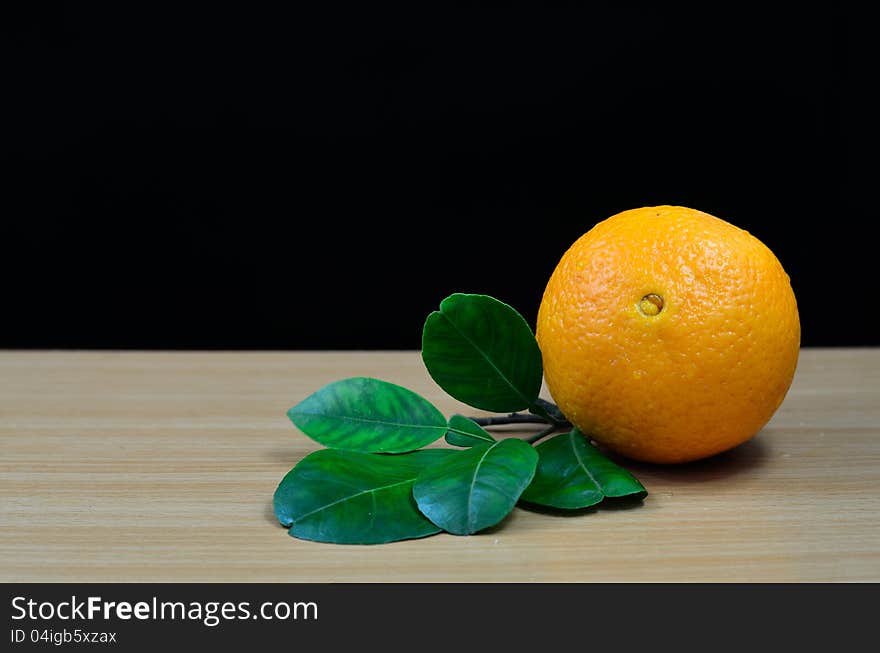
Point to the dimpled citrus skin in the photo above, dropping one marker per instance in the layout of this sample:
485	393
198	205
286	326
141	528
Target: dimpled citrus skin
701	375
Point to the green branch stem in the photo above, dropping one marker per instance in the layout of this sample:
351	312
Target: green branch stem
550	430
512	418
538	415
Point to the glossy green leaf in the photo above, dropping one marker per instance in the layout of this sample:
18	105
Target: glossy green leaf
476	488
368	415
482	352
464	432
348	497
572	473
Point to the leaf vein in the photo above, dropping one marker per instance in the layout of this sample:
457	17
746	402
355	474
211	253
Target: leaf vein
347	418
488	360
473	482
472	435
571	439
351	496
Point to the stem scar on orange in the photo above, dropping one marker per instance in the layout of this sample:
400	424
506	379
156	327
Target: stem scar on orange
668	334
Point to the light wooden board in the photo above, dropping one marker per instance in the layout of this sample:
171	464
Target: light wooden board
161	467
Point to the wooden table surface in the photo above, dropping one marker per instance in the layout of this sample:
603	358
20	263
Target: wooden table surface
161	467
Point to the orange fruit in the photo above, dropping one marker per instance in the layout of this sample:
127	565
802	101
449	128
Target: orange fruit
668	335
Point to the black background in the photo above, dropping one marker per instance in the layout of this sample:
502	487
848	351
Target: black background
241	177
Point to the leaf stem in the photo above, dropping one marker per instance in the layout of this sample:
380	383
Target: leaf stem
543	434
512	418
542	412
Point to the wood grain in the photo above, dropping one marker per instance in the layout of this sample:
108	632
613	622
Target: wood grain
161	467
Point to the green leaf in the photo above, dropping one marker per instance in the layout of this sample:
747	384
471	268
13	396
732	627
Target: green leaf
482	352
348	497
476	488
464	432
369	415
572	473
